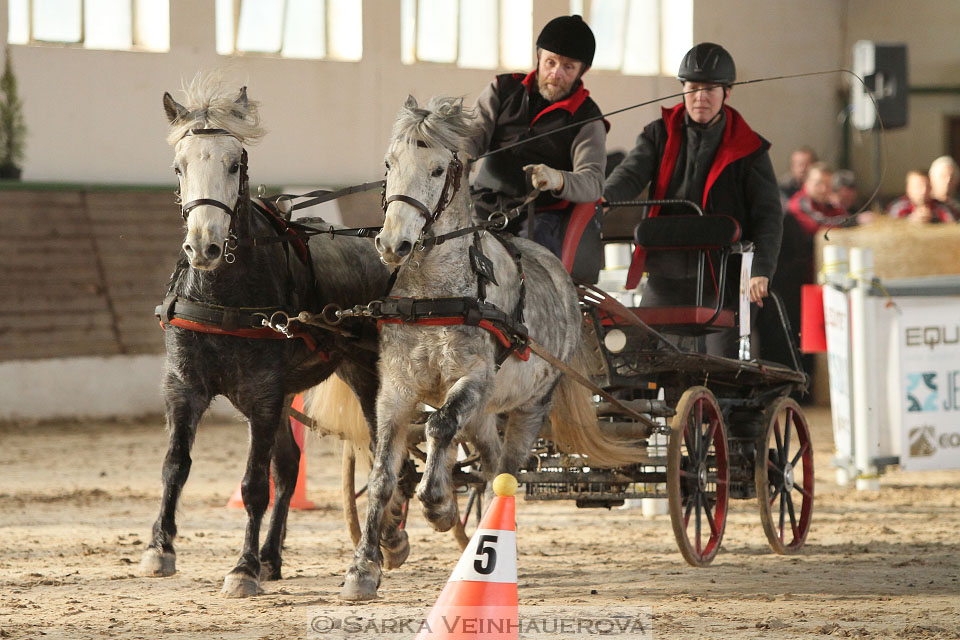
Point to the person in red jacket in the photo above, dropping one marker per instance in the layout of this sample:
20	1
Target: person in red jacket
918	204
812	207
703	150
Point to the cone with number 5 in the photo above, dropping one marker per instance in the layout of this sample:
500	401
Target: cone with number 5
480	598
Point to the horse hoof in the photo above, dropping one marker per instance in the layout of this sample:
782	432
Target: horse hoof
441	516
359	587
268	572
396	555
158	564
240	585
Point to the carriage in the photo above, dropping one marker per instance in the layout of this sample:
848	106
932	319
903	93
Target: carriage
715	428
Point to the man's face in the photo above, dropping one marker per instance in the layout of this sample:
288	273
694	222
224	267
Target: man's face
556	75
705	102
800	162
918	188
818	185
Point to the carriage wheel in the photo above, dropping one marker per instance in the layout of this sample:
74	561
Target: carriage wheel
698	476
785	476
349	492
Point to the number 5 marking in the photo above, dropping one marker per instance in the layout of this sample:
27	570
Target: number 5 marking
481	567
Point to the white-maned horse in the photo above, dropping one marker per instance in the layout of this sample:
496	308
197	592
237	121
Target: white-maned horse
454	367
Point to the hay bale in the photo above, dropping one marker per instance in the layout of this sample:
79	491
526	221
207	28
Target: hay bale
902	249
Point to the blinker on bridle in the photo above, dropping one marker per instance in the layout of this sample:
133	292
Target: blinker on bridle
185	209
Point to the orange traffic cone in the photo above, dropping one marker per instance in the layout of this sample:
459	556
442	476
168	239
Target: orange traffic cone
480	599
299	499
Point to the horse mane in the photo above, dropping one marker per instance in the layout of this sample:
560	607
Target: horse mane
444	122
211	104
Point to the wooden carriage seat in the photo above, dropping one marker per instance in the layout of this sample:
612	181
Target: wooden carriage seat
692	233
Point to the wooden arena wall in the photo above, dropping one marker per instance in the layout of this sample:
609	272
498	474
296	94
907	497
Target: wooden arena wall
82	270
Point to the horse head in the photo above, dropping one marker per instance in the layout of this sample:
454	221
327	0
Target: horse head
210	162
424	172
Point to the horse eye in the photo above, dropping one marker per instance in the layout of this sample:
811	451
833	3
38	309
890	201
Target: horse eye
235	167
436	173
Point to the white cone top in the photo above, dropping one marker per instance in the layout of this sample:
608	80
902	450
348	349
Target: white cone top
491	556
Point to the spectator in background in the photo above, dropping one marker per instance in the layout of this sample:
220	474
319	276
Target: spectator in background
800	161
944	180
845	194
808	210
812	206
918	205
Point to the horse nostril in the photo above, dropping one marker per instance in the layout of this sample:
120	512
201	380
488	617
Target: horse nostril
213	251
404	248
188	249
378	244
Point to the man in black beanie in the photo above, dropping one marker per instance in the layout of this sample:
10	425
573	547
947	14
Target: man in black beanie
567	166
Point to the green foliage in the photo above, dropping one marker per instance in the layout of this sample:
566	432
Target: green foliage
13	131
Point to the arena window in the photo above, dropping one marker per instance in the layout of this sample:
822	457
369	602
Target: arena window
312	29
94	24
639	37
474	34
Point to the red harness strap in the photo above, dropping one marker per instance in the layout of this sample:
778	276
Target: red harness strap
266	333
458	320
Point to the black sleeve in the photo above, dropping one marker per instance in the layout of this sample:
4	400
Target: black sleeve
765	215
631	176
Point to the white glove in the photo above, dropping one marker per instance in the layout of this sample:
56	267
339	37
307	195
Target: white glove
544	177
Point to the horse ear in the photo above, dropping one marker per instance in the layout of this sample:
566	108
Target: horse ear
241	102
172	108
411	102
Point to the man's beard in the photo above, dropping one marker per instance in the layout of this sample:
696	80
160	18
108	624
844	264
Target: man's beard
552	93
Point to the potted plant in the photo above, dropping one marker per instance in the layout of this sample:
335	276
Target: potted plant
13	131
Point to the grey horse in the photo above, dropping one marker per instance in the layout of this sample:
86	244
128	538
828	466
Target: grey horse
454	367
224	280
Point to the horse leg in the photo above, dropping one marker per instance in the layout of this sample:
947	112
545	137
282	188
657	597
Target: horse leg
286	467
395	410
394	543
361	376
487	441
264	418
184	408
464	401
523	428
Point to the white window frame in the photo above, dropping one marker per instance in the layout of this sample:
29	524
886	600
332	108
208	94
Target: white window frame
136	40
329	36
668	54
410	35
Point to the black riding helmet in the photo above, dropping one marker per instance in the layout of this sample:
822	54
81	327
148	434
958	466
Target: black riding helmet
569	36
708	62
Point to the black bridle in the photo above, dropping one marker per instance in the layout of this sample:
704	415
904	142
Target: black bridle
450	187
242	194
186	208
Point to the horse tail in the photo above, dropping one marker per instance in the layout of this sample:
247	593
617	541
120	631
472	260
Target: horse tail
336	411
573	421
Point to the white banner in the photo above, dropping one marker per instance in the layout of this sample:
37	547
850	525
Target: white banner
930	383
836	311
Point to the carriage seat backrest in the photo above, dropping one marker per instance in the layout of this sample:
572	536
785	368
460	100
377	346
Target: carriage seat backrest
687	233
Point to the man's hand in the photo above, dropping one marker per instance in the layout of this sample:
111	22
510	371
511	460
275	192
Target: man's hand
545	178
759	289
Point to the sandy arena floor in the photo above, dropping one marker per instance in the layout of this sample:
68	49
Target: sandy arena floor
77	501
